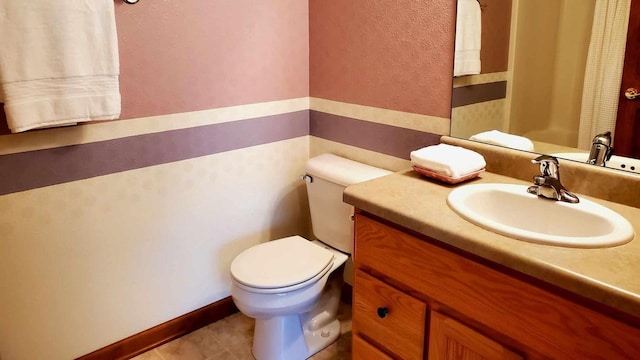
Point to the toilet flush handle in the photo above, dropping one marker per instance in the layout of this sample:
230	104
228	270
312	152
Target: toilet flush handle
307	178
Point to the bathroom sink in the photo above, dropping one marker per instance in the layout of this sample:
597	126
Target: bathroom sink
508	209
616	162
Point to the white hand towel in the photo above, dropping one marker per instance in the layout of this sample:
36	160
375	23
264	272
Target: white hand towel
58	62
452	161
496	137
468	35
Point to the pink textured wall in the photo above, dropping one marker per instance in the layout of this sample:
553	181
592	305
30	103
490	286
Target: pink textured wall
393	54
188	55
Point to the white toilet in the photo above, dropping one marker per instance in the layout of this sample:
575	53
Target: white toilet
290	285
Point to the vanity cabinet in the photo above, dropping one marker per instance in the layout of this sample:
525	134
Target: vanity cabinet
450	340
415	298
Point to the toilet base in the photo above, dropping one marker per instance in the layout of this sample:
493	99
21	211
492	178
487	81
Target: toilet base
279	338
321	338
282	338
299	336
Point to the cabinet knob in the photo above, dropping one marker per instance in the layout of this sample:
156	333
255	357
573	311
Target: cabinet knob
382	312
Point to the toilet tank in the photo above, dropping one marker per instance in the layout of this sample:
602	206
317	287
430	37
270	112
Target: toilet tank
330	216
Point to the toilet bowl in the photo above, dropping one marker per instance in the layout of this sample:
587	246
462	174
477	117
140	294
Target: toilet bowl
280	332
290	286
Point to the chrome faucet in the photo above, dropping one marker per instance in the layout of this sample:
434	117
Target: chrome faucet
601	149
548	184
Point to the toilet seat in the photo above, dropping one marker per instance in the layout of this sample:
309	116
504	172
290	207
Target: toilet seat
281	265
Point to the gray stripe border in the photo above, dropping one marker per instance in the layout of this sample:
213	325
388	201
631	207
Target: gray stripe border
473	94
35	169
386	139
40	168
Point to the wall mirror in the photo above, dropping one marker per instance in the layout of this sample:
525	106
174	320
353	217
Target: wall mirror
534	60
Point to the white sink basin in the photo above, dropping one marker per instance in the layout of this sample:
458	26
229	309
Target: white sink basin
616	162
510	210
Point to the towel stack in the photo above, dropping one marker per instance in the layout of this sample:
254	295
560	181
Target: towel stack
450	161
496	137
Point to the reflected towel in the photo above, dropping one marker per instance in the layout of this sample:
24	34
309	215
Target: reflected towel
496	137
452	161
59	62
468	35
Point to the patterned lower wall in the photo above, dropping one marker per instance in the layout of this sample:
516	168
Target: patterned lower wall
113	228
479	103
104	239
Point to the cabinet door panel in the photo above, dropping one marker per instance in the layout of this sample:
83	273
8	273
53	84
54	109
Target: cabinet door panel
362	350
388	317
451	340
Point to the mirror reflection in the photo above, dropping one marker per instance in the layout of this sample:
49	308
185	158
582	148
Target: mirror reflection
550	73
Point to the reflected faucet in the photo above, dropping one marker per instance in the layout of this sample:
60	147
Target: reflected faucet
547	184
601	149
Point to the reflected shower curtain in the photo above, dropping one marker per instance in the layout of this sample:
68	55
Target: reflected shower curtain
603	73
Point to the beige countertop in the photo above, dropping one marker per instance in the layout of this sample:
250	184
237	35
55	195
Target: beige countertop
610	276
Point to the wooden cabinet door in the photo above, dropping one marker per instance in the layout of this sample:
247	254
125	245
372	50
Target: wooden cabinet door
451	340
362	350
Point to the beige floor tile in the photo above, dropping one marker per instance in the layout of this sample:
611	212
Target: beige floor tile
236	333
225	355
201	344
149	355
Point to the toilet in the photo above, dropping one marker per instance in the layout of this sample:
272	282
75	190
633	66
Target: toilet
290	286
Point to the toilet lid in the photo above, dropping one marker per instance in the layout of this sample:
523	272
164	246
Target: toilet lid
280	263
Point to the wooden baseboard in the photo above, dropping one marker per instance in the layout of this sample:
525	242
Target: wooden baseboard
165	332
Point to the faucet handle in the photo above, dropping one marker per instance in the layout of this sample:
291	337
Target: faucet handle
548	184
604	139
542	158
549	165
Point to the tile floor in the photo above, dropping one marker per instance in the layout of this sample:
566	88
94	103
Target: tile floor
231	339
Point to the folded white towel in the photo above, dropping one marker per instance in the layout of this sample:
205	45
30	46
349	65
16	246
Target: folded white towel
468	35
496	137
453	161
58	62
